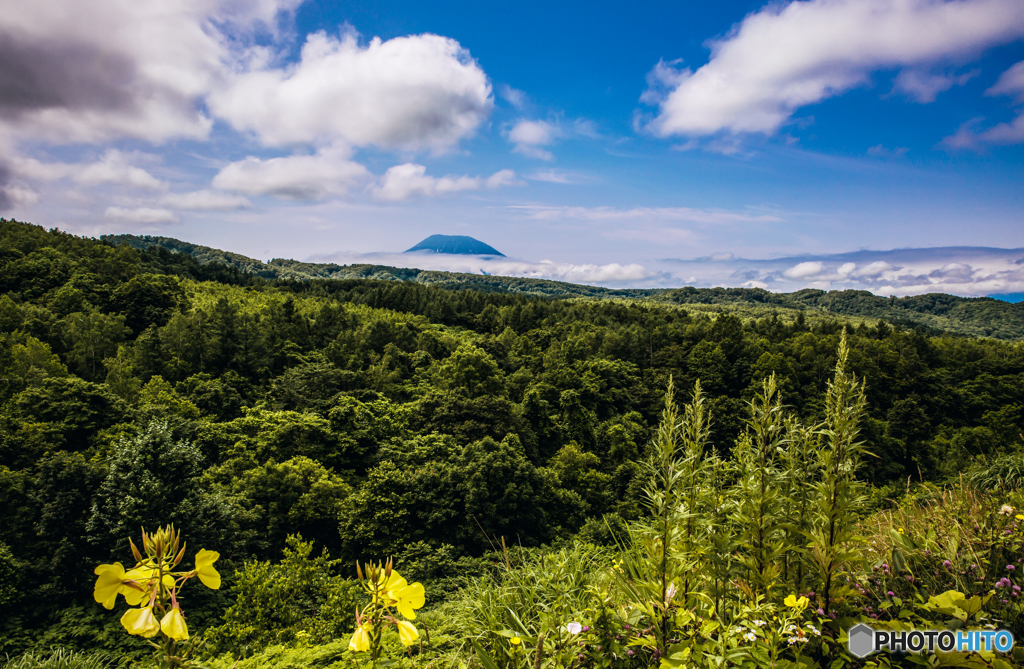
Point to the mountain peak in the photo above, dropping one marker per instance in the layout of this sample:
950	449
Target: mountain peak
458	244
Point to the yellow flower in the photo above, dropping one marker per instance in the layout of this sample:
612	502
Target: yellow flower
174	626
140	622
793	602
516	641
407	632
111	578
403	596
145	578
204	568
360	640
1019	516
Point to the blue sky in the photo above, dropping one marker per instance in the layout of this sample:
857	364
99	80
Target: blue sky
672	144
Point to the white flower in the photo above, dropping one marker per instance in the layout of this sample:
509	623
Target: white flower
760	623
738	630
574	627
1005	510
796	639
750	636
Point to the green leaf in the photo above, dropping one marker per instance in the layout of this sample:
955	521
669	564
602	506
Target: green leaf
485	657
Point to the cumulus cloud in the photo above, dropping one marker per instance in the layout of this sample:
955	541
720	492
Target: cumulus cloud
311	177
204	200
514	97
408	92
529	138
140	215
804	270
403	181
115	168
784	57
90	72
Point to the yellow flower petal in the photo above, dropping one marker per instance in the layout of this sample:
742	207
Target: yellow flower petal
360	640
516	641
204	568
108	584
408	598
173	625
407	633
141	622
790	601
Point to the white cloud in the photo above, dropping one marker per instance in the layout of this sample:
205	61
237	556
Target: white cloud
515	97
557	177
329	172
804	270
1011	83
607	274
880	151
925	86
115	167
204	200
408	92
403	181
644	214
873	269
105	69
784	57
530	136
140	215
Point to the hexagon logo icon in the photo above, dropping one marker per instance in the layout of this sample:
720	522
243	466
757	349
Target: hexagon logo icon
861	640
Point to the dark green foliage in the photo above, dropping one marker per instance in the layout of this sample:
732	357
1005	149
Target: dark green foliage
423	415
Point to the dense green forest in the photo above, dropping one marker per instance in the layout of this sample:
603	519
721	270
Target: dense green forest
935	312
272	416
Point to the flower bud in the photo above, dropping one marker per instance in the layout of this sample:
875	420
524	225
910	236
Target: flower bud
135	551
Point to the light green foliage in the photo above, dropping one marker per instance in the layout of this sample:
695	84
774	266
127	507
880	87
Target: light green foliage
62	659
301	598
33	361
472	371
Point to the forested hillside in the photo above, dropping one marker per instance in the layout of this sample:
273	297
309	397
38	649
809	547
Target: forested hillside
377	418
936	312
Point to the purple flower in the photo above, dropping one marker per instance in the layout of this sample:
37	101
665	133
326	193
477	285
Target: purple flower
874	616
586	628
627	627
820	612
629	652
580	656
947	564
1010	567
891	593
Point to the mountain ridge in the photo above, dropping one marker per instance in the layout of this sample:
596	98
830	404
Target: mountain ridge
936	312
455	245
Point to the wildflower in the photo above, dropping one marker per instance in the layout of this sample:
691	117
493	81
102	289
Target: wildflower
814	630
947	564
407	633
141	622
820	611
760	623
891	593
738	630
1010	567
796	639
750	636
360	640
793	602
515	641
173	625
630	652
586	628
1005	510
204	568
574	627
111	578
1019	516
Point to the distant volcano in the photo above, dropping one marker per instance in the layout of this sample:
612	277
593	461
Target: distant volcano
458	244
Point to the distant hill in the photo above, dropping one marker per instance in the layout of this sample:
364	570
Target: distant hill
457	244
935	312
